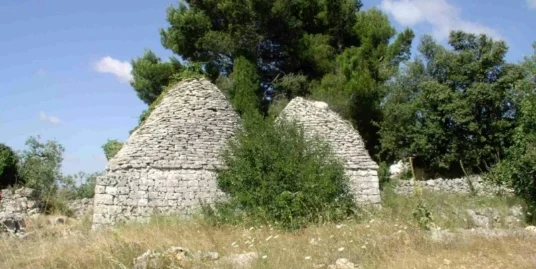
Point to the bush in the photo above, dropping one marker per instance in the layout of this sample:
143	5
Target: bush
8	166
384	174
274	173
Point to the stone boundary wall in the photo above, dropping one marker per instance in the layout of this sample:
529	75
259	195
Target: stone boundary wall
318	120
18	202
455	186
168	165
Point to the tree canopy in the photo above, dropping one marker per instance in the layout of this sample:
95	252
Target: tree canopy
453	108
8	166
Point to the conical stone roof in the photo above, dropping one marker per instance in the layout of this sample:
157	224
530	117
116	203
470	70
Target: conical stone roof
318	120
167	165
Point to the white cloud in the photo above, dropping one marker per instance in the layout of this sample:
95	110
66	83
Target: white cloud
50	119
442	16
115	67
531	4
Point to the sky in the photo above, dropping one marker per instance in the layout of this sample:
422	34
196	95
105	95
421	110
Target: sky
65	65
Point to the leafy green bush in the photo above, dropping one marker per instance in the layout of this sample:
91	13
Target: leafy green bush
383	174
8	166
274	173
111	148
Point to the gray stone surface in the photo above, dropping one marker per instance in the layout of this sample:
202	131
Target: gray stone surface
167	166
318	120
456	186
81	207
15	206
20	202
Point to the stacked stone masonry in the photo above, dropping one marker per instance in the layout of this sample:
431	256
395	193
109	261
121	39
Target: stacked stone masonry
167	166
318	120
466	185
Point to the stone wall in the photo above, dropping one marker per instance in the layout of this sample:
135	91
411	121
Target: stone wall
317	119
455	186
81	207
167	166
19	202
15	206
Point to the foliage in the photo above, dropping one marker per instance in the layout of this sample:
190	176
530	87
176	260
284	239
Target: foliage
8	167
275	173
355	89
279	38
151	75
111	148
245	90
383	174
519	167
77	186
452	108
40	165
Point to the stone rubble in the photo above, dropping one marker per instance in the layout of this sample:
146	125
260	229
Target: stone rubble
81	207
344	264
19	202
168	164
15	206
178	257
456	186
318	120
398	169
484	218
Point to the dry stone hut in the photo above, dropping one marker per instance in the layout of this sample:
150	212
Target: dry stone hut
167	166
317	119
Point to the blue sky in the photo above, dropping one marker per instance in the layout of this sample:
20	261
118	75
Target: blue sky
64	65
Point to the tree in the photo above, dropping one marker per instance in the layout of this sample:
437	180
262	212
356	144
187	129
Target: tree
111	148
80	185
355	88
453	109
244	93
278	37
150	75
40	165
8	167
518	169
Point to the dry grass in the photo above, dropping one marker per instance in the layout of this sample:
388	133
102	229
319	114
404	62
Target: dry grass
384	239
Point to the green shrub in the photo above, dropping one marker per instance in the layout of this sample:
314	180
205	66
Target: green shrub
383	174
8	166
275	174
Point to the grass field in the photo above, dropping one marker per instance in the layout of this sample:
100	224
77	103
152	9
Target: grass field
380	238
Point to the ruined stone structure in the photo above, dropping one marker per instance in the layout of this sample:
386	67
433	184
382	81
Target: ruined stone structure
15	206
318	120
167	166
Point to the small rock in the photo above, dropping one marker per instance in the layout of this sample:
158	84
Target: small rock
207	256
479	220
511	222
148	260
531	229
60	220
440	236
516	212
241	261
344	264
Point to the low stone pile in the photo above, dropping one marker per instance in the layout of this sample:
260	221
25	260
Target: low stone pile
178	257
455	186
81	207
15	206
19	201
